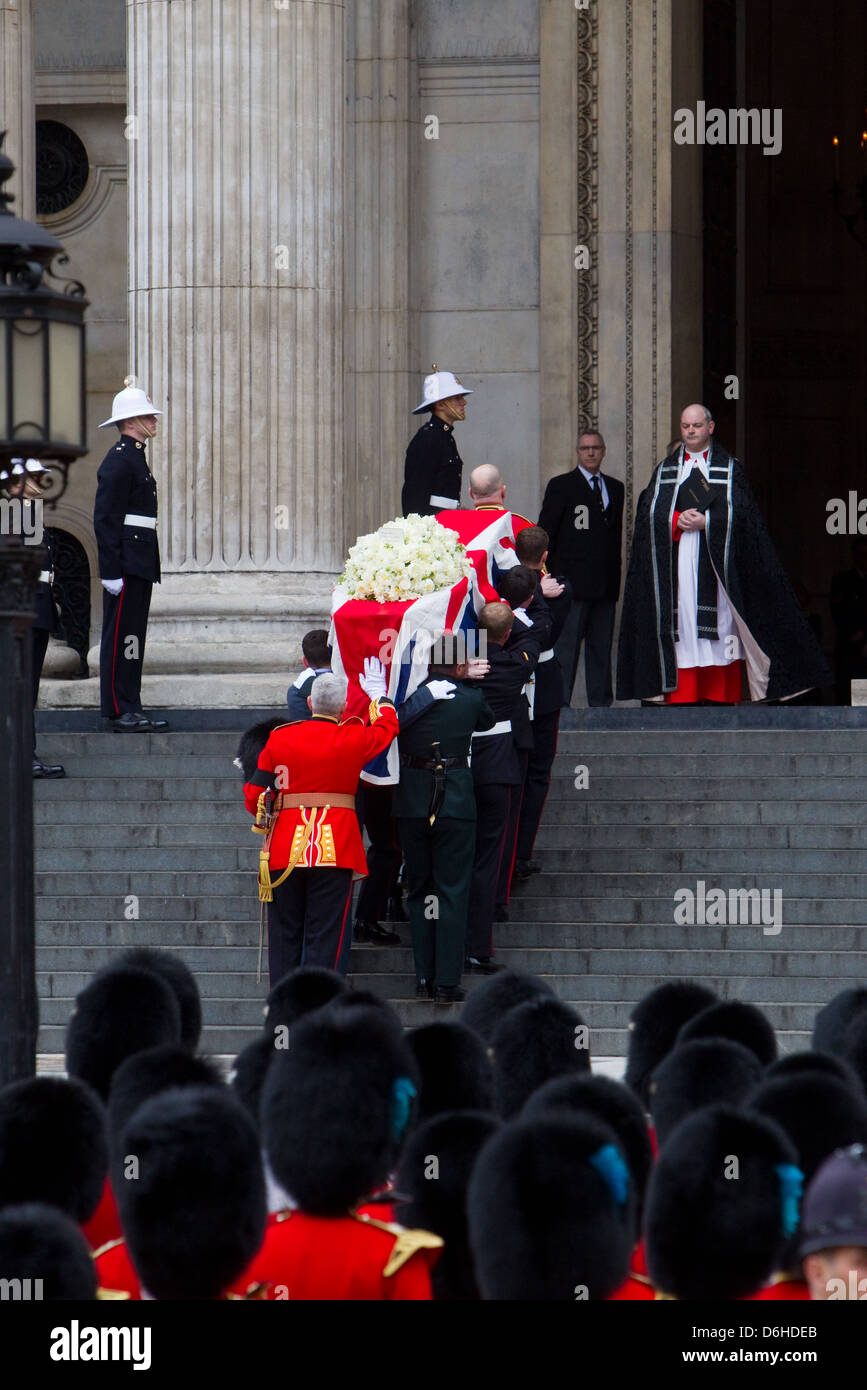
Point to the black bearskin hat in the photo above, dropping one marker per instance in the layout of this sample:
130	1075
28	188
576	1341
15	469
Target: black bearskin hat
146	1074
496	995
709	1071
855	1048
740	1023
799	1063
194	1208
722	1201
532	1043
336	1105
831	1022
53	1145
434	1173
654	1025
818	1113
611	1102
299	993
551	1215
121	1011
252	742
248	1074
179	977
455	1071
40	1244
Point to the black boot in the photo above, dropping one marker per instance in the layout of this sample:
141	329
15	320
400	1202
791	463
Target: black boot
47	769
376	935
449	994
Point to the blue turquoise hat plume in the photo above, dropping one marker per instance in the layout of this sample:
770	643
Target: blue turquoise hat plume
611	1166
402	1096
791	1188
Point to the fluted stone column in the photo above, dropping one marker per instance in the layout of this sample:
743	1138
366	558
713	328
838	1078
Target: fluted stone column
236	321
379	379
17	115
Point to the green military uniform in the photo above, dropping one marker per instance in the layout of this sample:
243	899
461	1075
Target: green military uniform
439	856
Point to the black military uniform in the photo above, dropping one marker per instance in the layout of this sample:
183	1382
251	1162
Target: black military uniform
124	520
432	477
435	808
497	777
548	700
45	624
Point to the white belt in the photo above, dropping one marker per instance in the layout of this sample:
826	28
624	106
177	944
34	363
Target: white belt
133	519
546	656
504	727
444	502
45	576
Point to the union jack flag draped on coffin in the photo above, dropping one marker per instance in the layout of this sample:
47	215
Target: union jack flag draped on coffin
488	533
401	635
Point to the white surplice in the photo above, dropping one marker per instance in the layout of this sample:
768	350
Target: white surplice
690	649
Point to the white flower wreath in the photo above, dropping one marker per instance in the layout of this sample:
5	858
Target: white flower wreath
404	559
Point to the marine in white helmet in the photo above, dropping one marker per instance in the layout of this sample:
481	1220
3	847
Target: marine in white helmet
125	522
432	475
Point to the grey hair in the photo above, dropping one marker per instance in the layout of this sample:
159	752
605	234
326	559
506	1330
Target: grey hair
328	694
597	434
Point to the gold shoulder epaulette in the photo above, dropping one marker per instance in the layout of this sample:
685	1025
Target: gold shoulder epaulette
406	1242
112	1295
109	1245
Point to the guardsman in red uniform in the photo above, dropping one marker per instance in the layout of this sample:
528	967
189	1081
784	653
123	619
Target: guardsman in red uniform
335	1108
309	772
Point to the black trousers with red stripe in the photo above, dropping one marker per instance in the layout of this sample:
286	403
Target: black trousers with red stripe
307	921
121	653
537	780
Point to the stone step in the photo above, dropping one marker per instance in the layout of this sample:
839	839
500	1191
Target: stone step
693	838
62	940
782	976
75	834
573	811
153	906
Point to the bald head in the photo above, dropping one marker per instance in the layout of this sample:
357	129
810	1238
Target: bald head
487	486
696	428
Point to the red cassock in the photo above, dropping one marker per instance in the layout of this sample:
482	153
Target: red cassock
354	1257
488	534
320	756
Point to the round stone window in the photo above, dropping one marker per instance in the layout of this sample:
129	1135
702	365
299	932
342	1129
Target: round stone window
61	167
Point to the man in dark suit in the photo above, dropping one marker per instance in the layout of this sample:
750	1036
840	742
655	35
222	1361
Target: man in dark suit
125	523
582	512
435	809
849	611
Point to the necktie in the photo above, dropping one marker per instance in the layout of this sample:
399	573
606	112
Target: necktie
597	492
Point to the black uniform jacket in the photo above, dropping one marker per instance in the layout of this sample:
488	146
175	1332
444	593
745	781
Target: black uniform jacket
589	557
495	756
432	477
45	615
451	723
126	486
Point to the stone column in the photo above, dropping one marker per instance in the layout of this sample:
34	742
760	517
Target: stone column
378	380
236	119
17	113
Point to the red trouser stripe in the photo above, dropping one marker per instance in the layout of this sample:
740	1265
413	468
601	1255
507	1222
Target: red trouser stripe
343	925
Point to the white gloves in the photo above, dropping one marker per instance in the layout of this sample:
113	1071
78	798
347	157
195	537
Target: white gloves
113	586
372	681
477	668
442	690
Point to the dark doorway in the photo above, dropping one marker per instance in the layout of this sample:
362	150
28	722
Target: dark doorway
778	254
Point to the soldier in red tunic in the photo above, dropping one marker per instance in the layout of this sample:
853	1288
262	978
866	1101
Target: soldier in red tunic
335	1107
303	795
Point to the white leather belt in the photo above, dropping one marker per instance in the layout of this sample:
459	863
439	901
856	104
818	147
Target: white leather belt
504	727
133	519
546	656
444	502
45	576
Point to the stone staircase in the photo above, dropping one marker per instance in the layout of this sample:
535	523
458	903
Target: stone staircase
766	798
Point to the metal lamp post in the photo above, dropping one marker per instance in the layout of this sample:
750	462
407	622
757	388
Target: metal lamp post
42	415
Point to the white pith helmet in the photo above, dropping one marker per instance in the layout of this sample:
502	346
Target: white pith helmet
19	466
129	403
438	387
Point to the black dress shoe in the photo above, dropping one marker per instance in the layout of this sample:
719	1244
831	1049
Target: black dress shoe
156	723
424	989
525	868
132	724
501	914
47	769
449	994
375	934
481	965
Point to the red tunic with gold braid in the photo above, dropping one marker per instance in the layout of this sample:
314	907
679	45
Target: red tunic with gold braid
354	1257
320	756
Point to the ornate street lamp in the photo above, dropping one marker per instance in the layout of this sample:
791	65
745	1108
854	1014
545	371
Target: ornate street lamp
42	415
